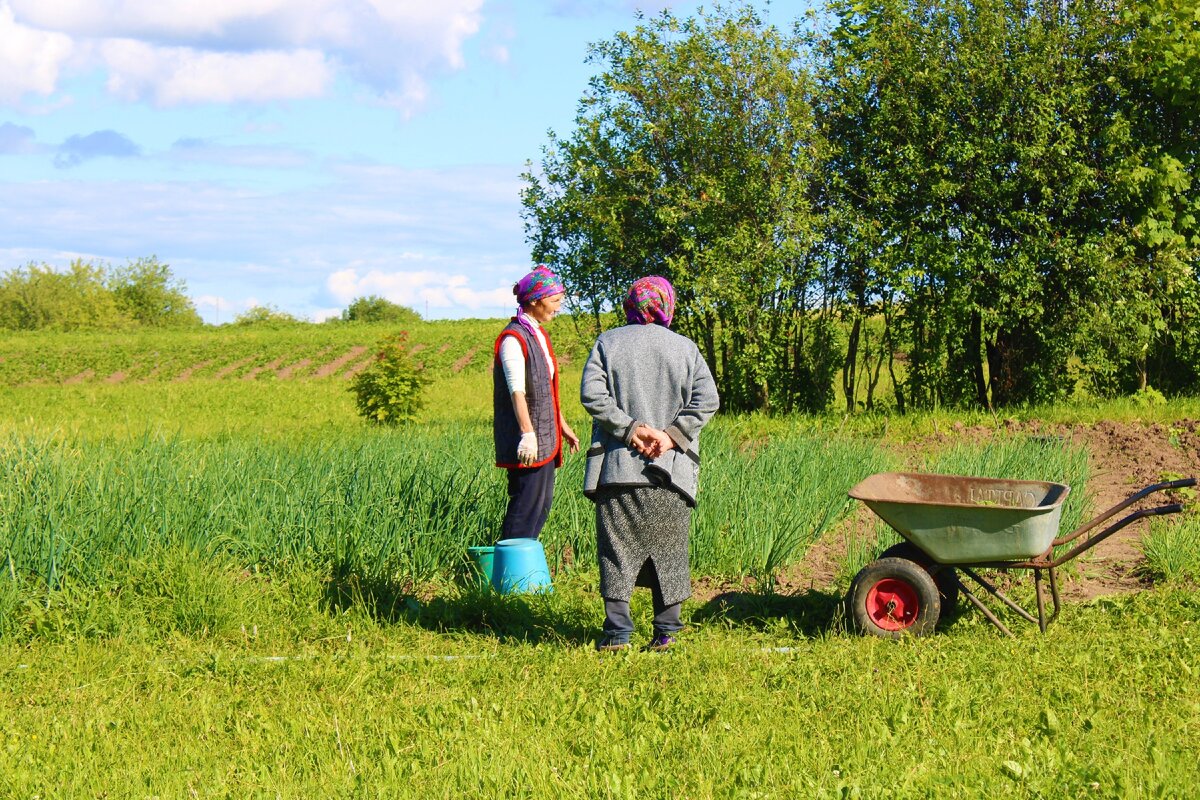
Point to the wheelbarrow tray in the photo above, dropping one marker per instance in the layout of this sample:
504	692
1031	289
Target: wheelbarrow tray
963	520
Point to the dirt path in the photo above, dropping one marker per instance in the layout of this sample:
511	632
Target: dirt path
1126	458
291	370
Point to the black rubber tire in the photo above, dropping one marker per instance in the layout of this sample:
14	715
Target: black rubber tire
944	575
894	571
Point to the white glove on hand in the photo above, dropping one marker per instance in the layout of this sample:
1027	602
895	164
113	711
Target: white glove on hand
527	448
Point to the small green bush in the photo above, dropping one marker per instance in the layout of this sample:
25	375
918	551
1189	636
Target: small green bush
1148	397
389	391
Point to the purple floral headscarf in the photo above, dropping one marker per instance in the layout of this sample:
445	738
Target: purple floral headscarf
651	299
539	283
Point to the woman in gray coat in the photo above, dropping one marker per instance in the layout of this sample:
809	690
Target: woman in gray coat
649	392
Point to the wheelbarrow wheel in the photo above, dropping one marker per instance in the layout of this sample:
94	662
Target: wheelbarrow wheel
944	576
892	597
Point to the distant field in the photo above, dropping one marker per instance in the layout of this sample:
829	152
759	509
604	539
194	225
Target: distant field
251	353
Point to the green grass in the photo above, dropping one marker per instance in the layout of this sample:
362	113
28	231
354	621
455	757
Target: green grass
464	696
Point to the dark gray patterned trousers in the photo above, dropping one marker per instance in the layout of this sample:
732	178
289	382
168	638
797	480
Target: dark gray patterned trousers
642	532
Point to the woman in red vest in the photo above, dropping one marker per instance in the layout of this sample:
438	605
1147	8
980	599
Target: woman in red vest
528	425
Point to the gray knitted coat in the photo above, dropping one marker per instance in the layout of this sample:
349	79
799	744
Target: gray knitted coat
646	374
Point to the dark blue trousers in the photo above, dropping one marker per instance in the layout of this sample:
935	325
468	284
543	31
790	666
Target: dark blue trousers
530	492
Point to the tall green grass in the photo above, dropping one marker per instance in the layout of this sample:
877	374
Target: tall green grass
764	502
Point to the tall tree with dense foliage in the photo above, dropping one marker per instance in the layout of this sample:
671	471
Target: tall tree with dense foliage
973	167
695	156
146	291
1149	100
87	296
996	199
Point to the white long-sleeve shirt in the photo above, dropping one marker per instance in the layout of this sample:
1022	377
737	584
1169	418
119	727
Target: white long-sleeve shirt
512	359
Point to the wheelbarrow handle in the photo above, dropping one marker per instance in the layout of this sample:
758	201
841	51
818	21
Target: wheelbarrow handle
1095	539
1182	483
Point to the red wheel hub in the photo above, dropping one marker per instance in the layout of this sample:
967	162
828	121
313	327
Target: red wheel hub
892	604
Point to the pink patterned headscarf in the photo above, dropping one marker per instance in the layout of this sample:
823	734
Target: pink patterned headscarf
539	283
651	299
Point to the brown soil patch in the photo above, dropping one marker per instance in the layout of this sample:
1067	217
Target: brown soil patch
229	369
292	369
416	348
192	370
325	370
462	362
87	374
271	367
117	377
359	367
1125	458
445	346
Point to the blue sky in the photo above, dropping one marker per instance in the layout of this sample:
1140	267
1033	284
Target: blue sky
296	153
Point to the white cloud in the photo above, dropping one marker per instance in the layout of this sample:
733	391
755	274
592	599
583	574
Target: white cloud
182	51
322	314
417	289
177	75
30	60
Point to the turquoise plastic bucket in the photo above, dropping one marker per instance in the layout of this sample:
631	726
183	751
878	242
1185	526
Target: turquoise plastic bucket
519	566
483	558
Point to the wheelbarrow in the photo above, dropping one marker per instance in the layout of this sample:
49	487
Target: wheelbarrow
954	525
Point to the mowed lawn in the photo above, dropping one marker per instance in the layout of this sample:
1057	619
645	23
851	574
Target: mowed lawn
515	702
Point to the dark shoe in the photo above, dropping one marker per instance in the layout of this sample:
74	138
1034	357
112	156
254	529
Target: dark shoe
611	646
661	642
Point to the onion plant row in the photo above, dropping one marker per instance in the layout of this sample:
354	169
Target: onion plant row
401	507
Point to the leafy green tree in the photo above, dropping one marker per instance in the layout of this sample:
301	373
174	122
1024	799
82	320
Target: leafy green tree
146	291
1149	97
695	156
967	173
373	308
36	297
